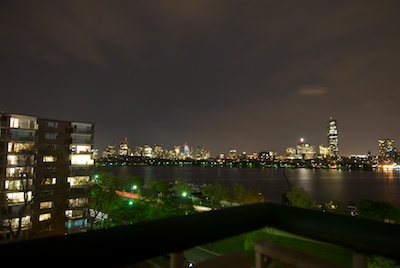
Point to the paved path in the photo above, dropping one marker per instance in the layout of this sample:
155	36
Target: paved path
197	254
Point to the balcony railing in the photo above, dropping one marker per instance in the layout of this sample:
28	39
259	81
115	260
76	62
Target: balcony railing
126	245
16	137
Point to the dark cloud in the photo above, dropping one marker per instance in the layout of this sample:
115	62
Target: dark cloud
312	90
251	75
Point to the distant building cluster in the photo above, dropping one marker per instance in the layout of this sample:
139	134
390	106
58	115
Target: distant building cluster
301	151
184	152
306	151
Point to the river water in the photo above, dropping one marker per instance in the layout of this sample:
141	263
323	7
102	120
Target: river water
322	185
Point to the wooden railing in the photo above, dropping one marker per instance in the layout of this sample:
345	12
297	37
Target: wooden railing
126	245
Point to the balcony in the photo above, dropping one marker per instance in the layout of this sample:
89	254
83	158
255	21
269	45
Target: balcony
82	130
125	246
18	138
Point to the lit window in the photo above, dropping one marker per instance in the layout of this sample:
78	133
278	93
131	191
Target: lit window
81	160
25	221
50	181
14	122
78	149
49	158
68	213
12	160
19	197
17	184
44	216
78	180
48	204
77	202
18	147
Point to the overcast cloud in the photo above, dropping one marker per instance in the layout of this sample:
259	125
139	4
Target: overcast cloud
245	75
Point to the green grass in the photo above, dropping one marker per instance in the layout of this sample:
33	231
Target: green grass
325	251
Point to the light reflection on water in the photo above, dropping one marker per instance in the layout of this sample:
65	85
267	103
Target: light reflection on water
322	185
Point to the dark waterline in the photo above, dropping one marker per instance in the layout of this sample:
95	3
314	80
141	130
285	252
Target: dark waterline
322	185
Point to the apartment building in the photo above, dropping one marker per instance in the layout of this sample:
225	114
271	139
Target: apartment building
46	167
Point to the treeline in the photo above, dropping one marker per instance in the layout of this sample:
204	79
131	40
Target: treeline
344	163
366	208
237	193
156	198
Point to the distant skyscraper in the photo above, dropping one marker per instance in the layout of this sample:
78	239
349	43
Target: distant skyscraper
158	151
387	151
109	151
187	151
305	150
124	147
333	140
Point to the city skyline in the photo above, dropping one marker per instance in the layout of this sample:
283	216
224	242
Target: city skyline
128	146
220	74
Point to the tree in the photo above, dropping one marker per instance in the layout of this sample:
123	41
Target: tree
378	210
26	184
172	206
130	211
181	187
254	236
239	193
253	197
156	188
299	197
244	196
162	187
18	216
381	262
103	197
137	184
208	192
222	192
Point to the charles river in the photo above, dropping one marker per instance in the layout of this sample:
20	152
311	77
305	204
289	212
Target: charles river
322	185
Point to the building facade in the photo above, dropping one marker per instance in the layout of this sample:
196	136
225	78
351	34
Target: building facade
46	167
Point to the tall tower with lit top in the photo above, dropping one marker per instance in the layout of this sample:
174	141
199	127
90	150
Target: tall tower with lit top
333	139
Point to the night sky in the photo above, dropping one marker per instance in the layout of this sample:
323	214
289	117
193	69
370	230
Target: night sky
244	75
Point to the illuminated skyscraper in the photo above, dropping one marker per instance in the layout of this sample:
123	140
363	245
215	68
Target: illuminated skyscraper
187	151
109	151
333	140
387	151
305	150
124	147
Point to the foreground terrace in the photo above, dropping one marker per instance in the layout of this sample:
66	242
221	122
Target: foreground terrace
130	245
